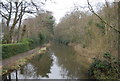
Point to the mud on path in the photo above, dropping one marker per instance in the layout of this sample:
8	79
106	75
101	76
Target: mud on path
11	61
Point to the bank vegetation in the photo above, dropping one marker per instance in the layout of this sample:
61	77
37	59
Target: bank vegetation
93	34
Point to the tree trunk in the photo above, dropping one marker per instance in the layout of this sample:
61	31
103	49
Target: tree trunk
119	29
20	21
18	37
11	33
23	32
14	23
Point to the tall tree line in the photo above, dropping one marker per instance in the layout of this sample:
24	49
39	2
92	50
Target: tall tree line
97	30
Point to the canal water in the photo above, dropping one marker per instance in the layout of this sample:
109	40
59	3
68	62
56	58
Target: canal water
60	62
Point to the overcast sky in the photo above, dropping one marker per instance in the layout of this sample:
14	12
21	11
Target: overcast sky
60	7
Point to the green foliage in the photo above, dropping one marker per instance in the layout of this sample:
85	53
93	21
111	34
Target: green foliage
50	17
9	50
100	25
27	40
35	41
66	42
3	41
84	46
32	42
107	55
90	22
106	68
42	38
50	23
0	41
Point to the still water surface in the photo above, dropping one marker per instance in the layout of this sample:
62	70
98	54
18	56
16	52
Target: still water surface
59	63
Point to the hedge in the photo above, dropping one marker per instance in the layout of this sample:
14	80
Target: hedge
9	50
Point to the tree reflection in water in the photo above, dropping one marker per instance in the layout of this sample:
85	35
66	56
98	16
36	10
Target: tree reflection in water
67	59
38	66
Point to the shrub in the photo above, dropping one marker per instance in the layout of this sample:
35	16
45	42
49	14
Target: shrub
32	42
26	40
9	50
42	38
106	68
29	41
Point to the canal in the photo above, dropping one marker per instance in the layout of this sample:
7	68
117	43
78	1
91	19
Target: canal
60	62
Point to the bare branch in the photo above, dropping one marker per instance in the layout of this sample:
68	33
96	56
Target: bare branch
30	12
3	15
9	17
5	7
34	5
20	3
107	5
92	10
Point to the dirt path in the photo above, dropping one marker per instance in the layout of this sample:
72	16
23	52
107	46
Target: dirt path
10	61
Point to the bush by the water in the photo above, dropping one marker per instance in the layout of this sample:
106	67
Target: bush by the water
9	50
105	68
31	42
34	42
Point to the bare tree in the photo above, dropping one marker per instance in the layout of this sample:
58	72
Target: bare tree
13	13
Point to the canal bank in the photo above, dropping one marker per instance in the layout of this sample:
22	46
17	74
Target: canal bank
15	62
